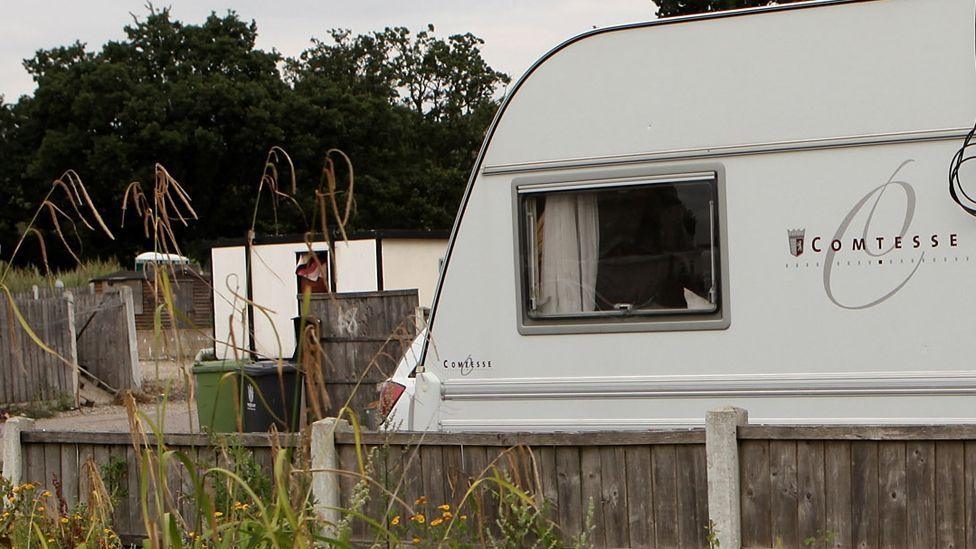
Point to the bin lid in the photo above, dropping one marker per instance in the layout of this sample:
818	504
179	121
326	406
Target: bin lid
218	366
268	368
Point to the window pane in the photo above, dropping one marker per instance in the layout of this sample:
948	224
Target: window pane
641	249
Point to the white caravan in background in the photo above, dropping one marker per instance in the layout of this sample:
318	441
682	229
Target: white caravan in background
747	208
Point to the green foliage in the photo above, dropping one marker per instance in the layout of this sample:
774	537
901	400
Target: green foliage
31	517
203	101
22	279
240	461
39	409
115	476
672	8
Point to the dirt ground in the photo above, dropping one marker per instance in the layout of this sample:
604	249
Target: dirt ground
175	416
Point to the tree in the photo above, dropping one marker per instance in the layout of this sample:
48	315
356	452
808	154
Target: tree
672	8
414	107
203	101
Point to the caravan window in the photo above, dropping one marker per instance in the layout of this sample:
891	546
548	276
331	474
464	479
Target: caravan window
628	250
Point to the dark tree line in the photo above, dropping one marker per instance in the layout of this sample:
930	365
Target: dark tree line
672	8
201	99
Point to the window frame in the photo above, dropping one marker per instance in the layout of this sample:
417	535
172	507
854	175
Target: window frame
588	179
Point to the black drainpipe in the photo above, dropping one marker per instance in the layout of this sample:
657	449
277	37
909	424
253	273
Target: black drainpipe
249	293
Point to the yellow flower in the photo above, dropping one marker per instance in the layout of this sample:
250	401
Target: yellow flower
436	522
50	540
464	517
190	534
218	514
447	515
421	500
45	494
29	486
64	520
106	530
416	539
444	507
395	521
40	507
16	489
419	517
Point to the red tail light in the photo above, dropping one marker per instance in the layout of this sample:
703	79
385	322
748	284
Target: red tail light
389	395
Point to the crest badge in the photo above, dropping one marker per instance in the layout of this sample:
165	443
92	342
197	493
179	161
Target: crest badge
797	237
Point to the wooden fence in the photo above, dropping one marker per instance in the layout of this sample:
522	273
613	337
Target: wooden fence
858	486
799	486
81	328
106	334
643	489
29	373
364	335
50	457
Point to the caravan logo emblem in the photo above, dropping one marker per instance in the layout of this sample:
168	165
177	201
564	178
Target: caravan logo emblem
796	241
872	247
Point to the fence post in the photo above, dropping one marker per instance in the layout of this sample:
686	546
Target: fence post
128	306
325	483
722	456
13	450
73	347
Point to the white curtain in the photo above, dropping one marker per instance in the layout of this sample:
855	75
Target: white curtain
570	247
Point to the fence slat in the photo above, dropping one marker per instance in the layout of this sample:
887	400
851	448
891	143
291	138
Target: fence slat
837	486
951	502
864	494
893	500
690	528
783	504
810	477
571	510
663	463
613	466
920	477
755	493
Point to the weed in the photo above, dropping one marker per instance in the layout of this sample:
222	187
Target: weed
115	477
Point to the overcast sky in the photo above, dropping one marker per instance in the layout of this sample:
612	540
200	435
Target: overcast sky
516	33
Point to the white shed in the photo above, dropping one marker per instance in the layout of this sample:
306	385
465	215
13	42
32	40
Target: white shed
367	262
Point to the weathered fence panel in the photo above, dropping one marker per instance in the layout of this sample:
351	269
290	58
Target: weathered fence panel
28	372
60	457
858	486
106	334
364	335
641	489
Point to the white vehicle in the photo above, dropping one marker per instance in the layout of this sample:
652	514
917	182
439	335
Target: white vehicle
747	208
156	258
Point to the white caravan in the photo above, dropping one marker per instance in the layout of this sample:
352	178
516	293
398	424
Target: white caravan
747	208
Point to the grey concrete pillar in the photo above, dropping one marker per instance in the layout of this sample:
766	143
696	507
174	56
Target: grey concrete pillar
325	461
13	450
722	455
128	303
73	348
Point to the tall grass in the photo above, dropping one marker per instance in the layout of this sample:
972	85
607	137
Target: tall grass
229	501
23	278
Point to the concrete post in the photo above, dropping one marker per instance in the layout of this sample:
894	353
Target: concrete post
722	455
13	454
73	348
325	460
129	309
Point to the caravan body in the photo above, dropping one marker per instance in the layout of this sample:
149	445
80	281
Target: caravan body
746	209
